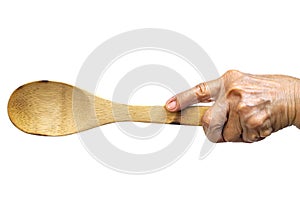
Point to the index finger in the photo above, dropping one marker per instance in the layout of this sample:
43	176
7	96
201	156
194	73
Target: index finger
203	92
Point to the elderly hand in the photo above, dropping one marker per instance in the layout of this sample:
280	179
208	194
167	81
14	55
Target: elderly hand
247	107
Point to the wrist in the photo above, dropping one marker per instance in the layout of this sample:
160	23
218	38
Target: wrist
286	105
296	121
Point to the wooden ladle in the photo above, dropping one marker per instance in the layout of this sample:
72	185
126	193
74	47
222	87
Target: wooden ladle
56	109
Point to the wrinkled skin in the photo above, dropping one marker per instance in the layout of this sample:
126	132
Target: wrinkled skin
247	107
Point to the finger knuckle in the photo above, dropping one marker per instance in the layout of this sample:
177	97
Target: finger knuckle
233	91
202	91
206	119
242	107
202	87
250	137
254	122
266	132
257	119
232	72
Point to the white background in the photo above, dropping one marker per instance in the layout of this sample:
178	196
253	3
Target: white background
52	40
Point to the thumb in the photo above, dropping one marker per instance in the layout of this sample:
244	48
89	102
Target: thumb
203	92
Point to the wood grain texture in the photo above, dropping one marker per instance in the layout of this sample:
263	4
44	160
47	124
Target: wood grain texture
56	109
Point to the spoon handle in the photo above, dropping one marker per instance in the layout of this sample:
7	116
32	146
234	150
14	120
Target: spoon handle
158	114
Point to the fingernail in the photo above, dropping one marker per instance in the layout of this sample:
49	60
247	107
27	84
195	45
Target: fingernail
171	105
